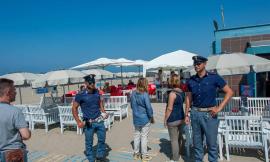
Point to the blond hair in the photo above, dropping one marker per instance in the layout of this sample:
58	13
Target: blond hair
175	81
142	85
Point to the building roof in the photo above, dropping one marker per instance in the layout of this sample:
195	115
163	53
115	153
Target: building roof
243	27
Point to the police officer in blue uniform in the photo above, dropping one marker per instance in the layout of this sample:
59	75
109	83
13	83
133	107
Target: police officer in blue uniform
201	103
92	108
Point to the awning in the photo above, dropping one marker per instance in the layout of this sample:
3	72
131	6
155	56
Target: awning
259	47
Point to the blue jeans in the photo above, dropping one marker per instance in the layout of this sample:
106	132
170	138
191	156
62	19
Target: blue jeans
89	135
203	124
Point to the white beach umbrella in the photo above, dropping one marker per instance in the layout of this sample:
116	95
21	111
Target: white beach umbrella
236	63
101	62
174	60
60	77
99	73
21	79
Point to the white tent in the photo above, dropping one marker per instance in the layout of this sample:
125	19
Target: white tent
174	60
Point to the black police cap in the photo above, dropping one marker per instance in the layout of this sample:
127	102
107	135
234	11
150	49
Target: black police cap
199	59
90	78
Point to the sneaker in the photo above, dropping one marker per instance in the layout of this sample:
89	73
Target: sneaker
146	157
136	156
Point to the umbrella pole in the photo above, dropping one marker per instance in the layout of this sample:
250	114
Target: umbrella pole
122	76
255	84
64	94
100	84
20	93
139	71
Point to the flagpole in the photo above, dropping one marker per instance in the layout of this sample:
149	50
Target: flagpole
222	16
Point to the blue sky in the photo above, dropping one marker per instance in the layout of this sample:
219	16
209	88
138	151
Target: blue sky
39	36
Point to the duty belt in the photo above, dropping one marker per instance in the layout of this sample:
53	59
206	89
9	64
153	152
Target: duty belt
98	119
200	109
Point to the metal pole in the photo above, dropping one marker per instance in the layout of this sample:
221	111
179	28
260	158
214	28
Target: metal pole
139	70
20	95
64	92
122	76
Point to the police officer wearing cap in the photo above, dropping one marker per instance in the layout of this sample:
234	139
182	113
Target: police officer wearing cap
91	106
201	103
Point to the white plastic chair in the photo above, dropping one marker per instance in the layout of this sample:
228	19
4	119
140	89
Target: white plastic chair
118	105
231	108
46	116
245	132
67	119
259	106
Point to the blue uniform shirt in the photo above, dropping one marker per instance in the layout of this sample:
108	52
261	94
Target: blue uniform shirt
89	103
204	89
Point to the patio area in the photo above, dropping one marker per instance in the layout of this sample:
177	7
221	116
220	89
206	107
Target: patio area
56	147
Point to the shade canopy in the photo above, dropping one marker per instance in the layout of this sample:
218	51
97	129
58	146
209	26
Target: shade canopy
60	77
127	74
101	62
136	63
122	61
236	63
174	60
100	73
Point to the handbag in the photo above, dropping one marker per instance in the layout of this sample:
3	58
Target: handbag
15	155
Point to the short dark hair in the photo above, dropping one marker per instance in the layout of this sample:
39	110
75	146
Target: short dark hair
5	83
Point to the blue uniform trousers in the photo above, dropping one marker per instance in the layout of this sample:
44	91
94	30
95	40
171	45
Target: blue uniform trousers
89	135
203	124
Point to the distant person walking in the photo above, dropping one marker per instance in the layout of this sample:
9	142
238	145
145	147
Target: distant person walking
201	98
93	114
174	118
142	119
13	127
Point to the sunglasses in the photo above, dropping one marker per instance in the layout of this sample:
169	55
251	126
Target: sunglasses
197	64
